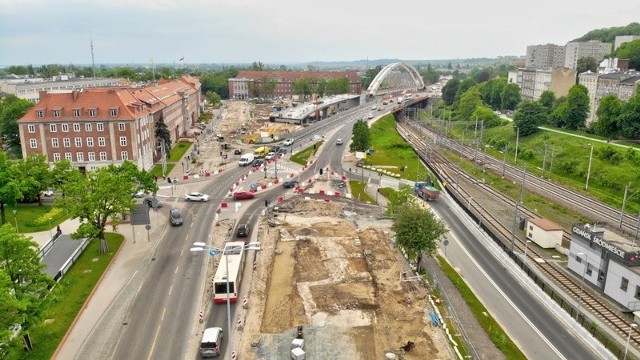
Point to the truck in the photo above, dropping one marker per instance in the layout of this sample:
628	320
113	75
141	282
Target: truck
426	191
261	151
246	159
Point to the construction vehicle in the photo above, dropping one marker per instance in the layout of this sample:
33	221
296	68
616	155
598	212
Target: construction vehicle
261	151
426	191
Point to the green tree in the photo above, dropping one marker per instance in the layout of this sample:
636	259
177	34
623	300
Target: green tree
630	50
628	119
213	98
162	134
257	66
101	196
496	93
577	107
301	87
12	311
361	138
18	70
429	75
338	86
10	190
608	113
399	199
483	113
34	177
586	63
528	117
417	230
468	103
449	91
12	110
547	99
370	75
465	85
510	97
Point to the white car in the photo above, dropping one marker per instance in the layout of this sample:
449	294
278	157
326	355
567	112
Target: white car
270	155
196	196
47	193
339	142
370	116
288	142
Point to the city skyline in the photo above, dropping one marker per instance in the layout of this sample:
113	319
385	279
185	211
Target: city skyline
282	32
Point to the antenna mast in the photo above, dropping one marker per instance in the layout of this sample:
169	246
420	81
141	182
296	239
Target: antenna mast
93	60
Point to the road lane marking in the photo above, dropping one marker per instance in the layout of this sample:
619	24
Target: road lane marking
163	311
177	267
153	345
170	289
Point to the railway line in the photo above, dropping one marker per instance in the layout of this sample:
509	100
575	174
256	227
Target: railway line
508	239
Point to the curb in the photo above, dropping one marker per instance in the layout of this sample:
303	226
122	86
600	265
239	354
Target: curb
86	302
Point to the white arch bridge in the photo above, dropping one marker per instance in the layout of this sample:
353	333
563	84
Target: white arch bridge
394	78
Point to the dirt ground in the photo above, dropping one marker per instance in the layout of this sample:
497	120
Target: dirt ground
331	269
242	121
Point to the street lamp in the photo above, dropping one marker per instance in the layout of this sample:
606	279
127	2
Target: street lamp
626	347
15	219
183	167
584	269
526	246
586	185
213	251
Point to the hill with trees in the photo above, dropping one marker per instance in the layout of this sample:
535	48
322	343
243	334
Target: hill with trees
609	34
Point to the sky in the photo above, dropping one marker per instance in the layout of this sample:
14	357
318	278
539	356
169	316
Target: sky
288	32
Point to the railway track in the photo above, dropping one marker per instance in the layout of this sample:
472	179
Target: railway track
571	287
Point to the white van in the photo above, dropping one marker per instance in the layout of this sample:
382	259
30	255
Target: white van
246	159
211	342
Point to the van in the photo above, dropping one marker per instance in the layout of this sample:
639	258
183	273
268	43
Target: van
246	159
219	137
211	342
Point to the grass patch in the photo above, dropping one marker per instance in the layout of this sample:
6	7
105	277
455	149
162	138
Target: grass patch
30	217
488	323
66	300
302	157
157	169
178	151
387	192
358	192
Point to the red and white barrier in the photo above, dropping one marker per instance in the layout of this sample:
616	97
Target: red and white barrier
185	177
245	302
234	356
240	324
201	317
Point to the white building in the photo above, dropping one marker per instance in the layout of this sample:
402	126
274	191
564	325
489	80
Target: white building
29	89
573	51
545	233
548	56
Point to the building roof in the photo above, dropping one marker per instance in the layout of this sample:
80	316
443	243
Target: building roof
545	224
296	75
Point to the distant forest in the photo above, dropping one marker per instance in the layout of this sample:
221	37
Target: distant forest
609	34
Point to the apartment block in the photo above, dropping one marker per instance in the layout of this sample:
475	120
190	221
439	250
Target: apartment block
548	56
575	50
624	85
533	82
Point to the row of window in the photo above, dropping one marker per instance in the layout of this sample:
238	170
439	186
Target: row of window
77	112
66	142
124	155
76	127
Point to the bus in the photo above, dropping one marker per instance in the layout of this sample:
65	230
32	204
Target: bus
234	255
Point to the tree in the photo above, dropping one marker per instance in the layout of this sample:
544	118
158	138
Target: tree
361	139
12	110
547	99
628	119
10	190
399	199
12	310
528	117
371	74
257	66
510	97
22	264
429	76
630	50
468	103
483	113
101	196
586	63
162	134
449	91
417	230
301	87
608	112
577	107
465	85
496	93
34	177
213	98
337	86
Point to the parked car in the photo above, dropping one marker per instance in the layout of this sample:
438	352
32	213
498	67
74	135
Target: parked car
175	217
196	196
288	142
153	202
237	152
270	155
139	194
257	162
243	195
370	116
243	230
47	193
339	142
290	184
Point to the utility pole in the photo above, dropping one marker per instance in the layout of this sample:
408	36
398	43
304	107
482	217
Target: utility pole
93	60
544	159
524	175
504	161
515	158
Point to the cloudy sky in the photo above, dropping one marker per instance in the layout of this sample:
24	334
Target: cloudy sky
285	32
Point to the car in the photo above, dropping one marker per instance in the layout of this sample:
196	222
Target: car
257	162
196	196
270	155
288	142
47	193
153	202
242	195
282	151
139	194
243	230
370	116
290	184
237	152
175	217
339	142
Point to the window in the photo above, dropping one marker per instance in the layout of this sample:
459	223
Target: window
589	271
531	227
637	292
55	143
39	113
103	155
77	112
124	155
33	143
90	142
76	127
56	157
121	126
101	141
88	127
579	259
123	141
66	142
32	128
100	126
68	156
65	127
56	113
53	127
92	156
78	142
92	112
80	156
113	112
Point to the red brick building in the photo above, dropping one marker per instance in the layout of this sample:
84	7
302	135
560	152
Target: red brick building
242	86
96	127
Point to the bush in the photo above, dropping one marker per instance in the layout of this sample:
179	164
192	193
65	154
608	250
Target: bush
526	154
50	216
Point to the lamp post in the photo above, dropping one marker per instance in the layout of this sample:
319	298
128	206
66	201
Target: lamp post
50	234
626	347
584	269
183	167
213	251
586	185
15	219
526	246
